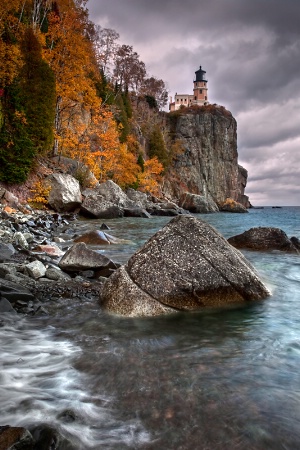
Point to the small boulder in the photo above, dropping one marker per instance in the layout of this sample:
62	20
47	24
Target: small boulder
36	269
5	306
19	239
139	198
186	266
79	257
200	204
51	250
106	201
65	192
265	238
56	274
6	251
231	205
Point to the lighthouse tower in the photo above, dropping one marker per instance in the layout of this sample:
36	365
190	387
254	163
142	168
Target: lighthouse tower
200	88
199	97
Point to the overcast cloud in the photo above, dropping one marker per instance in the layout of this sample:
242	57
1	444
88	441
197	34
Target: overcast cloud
250	50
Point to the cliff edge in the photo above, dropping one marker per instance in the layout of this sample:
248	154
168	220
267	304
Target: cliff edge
208	163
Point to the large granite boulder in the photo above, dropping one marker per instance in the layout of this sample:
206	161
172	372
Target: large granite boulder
106	201
65	192
186	266
265	238
198	203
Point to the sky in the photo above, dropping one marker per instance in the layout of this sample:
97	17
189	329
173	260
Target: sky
250	50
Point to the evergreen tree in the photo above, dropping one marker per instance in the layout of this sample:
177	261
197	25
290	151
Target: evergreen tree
157	147
38	86
16	147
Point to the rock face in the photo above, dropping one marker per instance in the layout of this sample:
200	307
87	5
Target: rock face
186	266
208	165
65	192
265	238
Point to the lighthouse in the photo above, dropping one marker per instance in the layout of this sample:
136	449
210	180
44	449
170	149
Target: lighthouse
200	87
199	96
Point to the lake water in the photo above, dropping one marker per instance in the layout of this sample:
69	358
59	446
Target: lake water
215	381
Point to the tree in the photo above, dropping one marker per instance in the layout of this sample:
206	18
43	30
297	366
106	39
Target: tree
38	93
16	148
129	71
157	147
70	55
105	44
155	89
150	177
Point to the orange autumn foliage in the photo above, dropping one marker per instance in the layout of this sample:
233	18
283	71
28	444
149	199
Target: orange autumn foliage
149	179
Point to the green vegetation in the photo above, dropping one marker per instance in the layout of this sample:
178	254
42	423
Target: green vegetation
157	146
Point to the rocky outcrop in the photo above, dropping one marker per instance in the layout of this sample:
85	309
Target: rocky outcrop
186	266
108	201
266	238
208	165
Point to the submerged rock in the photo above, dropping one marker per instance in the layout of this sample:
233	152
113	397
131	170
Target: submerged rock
186	266
97	237
265	238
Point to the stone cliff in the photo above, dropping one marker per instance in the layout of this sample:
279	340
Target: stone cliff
208	164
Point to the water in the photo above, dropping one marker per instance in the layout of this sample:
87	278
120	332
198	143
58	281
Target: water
215	381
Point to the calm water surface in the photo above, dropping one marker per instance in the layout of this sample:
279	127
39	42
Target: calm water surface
216	381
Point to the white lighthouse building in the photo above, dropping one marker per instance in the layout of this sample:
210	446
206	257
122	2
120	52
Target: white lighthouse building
199	96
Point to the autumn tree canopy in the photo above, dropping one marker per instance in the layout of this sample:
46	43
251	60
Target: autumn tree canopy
67	86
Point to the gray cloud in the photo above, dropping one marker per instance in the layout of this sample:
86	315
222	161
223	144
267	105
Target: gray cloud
250	50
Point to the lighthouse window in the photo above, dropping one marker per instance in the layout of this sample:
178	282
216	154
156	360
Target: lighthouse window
200	91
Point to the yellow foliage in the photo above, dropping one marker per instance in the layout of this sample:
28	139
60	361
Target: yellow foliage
150	178
40	195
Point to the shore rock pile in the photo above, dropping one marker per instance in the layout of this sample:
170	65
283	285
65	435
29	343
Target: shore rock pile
39	259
